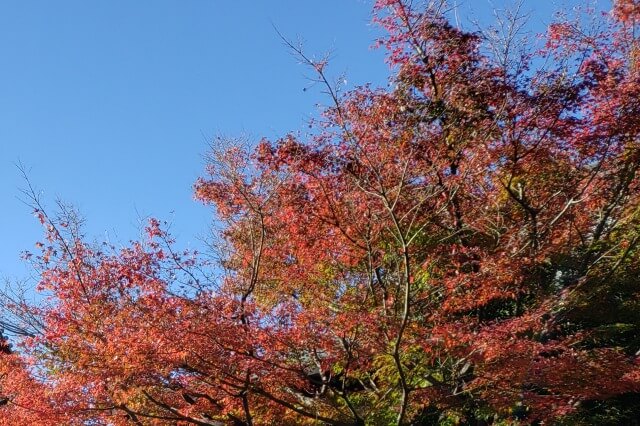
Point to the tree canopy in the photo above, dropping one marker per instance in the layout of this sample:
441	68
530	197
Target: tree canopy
461	247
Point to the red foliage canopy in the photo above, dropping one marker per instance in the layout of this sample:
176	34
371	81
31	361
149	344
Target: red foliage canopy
462	247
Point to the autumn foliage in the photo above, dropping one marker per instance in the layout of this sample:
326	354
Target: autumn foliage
462	247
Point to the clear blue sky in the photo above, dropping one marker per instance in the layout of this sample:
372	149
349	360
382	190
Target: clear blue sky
110	104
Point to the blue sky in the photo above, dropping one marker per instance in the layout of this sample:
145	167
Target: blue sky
110	104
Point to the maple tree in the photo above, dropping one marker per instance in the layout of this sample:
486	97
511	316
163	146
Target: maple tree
461	248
